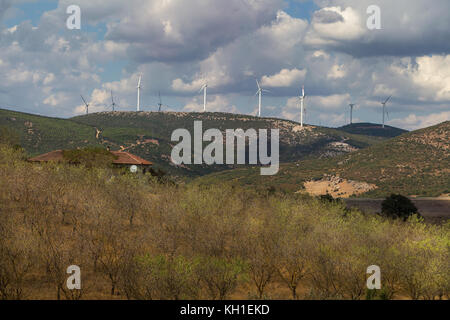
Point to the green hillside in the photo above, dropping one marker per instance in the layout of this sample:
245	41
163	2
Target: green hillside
147	134
416	163
39	134
375	130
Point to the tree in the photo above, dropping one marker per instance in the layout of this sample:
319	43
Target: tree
89	157
160	277
9	137
220	276
398	207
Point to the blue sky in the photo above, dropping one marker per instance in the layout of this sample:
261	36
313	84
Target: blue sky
323	44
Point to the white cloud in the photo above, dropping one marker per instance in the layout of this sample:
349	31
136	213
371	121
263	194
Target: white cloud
177	31
432	73
333	119
332	102
413	122
285	78
55	100
332	24
216	104
406	29
337	72
383	90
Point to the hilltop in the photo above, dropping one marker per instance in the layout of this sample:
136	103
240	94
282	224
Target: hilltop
414	164
371	129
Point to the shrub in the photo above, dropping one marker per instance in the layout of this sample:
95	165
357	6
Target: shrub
9	137
89	157
398	207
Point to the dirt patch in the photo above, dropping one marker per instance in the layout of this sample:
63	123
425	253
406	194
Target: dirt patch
337	187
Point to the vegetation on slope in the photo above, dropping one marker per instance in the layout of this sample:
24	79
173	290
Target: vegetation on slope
38	134
148	135
371	129
415	163
135	239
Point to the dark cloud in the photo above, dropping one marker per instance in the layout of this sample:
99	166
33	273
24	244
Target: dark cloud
5	5
326	16
408	28
177	32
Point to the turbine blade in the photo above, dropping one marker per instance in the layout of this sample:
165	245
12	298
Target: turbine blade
84	100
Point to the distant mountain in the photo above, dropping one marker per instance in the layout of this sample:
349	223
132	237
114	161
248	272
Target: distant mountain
414	164
375	130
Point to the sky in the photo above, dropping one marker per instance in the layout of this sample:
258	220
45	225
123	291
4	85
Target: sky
178	45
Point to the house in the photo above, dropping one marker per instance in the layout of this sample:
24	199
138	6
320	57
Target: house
121	159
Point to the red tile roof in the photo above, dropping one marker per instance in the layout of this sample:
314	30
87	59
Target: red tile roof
47	157
124	158
128	158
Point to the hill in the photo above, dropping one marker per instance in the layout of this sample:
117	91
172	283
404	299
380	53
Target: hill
415	164
38	134
371	129
147	134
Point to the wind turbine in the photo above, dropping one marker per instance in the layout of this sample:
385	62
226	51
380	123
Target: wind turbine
139	94
113	104
160	102
352	105
204	88
302	105
87	105
384	108
259	93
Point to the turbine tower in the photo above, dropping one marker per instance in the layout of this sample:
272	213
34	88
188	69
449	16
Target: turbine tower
160	102
113	104
259	94
86	104
139	94
204	88
352	105
302	106
384	108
